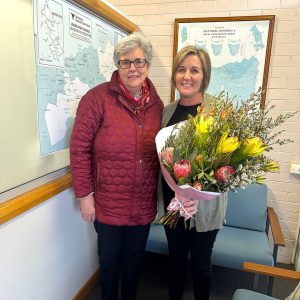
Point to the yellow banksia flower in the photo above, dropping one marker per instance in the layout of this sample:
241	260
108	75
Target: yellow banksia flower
252	147
227	145
272	166
260	179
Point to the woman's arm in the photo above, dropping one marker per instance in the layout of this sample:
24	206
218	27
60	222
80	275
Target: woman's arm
88	120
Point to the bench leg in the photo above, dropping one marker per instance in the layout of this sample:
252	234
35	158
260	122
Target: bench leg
255	282
270	285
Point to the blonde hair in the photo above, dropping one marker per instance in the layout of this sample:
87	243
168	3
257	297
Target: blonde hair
204	58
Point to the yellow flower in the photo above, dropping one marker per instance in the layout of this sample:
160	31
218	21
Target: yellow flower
252	147
260	179
204	125
227	145
272	166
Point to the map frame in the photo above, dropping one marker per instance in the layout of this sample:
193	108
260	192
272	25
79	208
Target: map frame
235	22
72	44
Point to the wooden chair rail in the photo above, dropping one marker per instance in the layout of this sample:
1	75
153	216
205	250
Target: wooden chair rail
275	228
271	271
18	205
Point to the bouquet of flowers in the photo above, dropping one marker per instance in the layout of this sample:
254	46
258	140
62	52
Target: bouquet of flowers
222	148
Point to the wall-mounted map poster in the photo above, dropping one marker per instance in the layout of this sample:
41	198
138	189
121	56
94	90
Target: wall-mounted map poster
74	52
239	48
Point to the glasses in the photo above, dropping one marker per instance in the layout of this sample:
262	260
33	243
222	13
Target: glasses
138	63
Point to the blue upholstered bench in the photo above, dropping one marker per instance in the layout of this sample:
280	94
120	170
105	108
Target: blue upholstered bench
243	237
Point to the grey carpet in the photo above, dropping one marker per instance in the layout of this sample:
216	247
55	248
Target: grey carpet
154	281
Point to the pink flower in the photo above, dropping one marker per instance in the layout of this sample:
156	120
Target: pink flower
224	173
182	169
167	156
197	185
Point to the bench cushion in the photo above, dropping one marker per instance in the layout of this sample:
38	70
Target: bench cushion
233	246
247	208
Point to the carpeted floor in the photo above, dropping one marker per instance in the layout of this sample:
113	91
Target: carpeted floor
154	281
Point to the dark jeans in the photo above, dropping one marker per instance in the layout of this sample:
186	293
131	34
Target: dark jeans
120	250
181	241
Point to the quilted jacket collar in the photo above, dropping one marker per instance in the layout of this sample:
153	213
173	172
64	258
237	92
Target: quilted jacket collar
115	88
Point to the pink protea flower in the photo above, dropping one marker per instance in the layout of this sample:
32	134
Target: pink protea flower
167	156
224	173
197	185
182	169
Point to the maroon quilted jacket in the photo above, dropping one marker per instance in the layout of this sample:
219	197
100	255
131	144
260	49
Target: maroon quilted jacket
113	154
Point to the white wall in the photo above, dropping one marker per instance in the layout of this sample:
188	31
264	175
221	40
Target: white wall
47	252
155	19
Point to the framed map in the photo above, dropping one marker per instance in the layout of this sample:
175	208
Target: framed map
45	49
73	52
239	48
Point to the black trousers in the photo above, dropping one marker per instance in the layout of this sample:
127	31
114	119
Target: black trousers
181	242
120	250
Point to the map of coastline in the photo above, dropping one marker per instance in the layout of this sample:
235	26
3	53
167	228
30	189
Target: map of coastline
74	52
237	54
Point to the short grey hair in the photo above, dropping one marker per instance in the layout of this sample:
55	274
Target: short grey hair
130	42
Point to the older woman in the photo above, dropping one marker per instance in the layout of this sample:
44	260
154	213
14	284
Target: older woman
114	164
191	75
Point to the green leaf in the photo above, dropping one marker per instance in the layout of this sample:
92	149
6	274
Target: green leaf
200	175
193	154
209	178
176	155
182	181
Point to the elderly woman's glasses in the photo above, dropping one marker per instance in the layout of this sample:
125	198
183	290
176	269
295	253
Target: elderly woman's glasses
138	63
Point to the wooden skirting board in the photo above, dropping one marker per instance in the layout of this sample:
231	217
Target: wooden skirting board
88	286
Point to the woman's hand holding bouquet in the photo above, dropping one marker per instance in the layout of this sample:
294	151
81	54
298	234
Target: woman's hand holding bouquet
222	148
